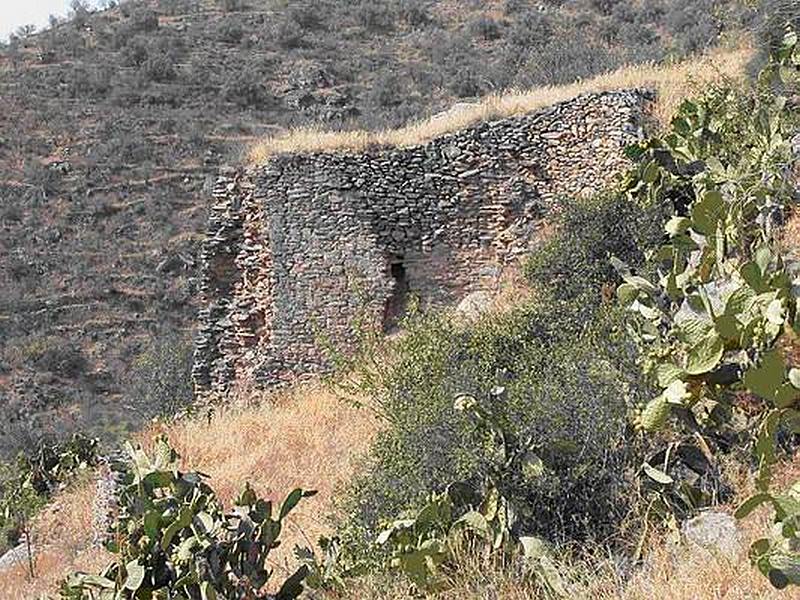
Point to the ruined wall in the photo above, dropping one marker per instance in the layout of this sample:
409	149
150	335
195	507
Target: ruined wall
300	247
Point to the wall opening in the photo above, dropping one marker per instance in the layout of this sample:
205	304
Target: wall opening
398	300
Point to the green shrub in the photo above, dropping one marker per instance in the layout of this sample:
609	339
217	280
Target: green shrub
134	54
574	266
159	69
568	380
567	391
245	90
160	379
230	32
486	28
54	355
27	483
377	16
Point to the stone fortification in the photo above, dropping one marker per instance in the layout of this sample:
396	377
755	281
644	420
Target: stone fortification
302	246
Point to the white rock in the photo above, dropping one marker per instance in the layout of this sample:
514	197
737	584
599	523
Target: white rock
474	305
715	533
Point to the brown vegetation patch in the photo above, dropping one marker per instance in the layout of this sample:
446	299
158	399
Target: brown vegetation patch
305	438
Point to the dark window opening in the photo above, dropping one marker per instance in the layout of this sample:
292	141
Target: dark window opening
396	303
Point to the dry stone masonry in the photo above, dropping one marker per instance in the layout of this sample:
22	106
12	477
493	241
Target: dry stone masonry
302	247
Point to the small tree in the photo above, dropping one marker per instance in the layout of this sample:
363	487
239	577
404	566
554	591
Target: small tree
229	5
160	382
25	31
80	13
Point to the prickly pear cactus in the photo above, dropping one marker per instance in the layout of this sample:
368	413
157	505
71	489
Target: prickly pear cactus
713	327
173	539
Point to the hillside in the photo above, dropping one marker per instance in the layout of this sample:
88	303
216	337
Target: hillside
542	345
116	123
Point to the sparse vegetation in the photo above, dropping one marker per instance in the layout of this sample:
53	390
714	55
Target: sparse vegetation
30	481
160	380
114	121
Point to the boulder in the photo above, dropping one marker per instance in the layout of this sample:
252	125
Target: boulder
474	305
16	556
715	533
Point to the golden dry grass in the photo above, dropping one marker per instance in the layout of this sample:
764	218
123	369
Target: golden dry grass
697	576
304	438
672	82
309	438
62	535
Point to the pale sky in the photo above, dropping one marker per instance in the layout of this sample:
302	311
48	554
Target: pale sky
15	13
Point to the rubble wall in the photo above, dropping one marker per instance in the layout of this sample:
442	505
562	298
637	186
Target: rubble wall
300	248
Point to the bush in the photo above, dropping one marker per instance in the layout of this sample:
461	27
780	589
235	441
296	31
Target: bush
486	28
568	383
414	13
693	24
388	90
531	29
574	265
307	14
159	69
173	539
144	20
27	483
230	32
290	35
773	17
160	381
229	5
567	390
90	81
376	16
134	54
246	90
560	61
54	355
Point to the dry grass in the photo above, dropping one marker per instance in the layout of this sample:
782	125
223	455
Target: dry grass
790	234
62	533
305	438
673	83
309	438
697	576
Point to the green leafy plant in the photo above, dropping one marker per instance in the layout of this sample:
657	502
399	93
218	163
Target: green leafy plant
423	541
173	539
714	327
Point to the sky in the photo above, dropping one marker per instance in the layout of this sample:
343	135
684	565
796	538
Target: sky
15	13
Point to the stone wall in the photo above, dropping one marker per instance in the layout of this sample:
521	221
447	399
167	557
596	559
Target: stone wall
301	247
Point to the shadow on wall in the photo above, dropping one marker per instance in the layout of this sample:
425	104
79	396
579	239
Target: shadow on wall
397	302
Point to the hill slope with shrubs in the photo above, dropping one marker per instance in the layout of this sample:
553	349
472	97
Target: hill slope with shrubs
116	122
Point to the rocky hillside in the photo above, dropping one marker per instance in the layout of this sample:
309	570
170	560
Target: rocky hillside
115	124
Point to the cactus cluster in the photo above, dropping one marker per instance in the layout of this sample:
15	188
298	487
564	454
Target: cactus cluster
713	327
27	483
173	539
